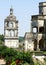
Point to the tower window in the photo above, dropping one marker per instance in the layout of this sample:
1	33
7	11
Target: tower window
12	33
41	29
7	24
41	10
35	30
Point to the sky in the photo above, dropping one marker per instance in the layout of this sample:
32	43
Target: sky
23	10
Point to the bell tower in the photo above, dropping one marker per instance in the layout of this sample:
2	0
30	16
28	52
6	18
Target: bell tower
39	27
11	30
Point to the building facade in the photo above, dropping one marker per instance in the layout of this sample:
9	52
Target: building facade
39	27
38	30
11	31
35	39
29	43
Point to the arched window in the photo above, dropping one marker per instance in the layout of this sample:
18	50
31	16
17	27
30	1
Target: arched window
41	44
16	33
41	29
35	30
6	32
12	33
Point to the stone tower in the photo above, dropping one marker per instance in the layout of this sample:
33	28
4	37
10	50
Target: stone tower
11	31
39	27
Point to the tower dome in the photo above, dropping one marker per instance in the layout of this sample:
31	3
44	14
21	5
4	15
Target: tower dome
11	17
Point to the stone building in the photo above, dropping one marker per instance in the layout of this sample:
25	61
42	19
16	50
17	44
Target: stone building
35	39
29	43
11	31
38	28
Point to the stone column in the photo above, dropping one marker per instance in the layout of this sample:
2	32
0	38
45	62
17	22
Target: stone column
37	43
38	49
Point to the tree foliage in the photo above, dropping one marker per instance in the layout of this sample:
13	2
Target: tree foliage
1	40
2	37
11	55
21	39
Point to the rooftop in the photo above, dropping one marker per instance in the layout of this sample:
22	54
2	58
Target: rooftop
43	4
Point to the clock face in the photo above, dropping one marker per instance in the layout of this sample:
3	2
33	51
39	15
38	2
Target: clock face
10	24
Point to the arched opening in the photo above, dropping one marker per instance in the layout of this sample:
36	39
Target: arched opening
35	44
41	29
12	33
35	30
41	44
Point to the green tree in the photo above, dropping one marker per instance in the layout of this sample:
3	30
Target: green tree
10	55
2	37
27	57
13	63
2	51
21	39
1	40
